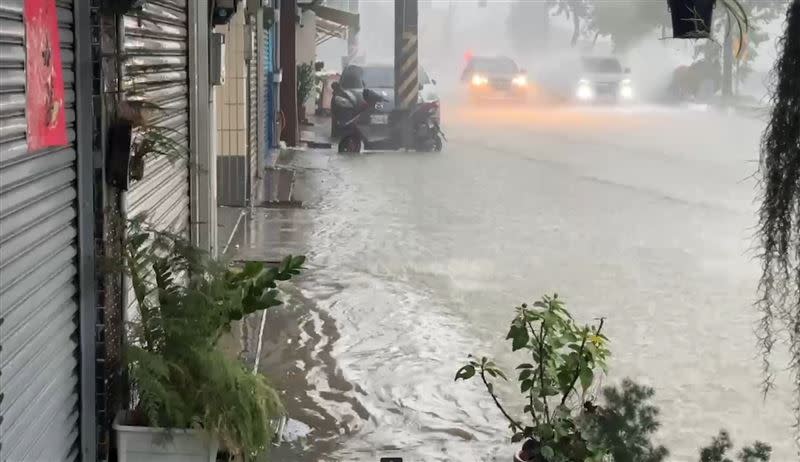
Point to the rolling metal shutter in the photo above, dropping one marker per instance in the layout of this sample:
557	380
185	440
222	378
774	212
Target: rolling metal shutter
253	124
156	71
39	414
271	88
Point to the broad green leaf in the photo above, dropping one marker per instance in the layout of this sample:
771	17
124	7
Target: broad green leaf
520	338
298	261
545	432
525	366
586	377
525	385
517	437
285	265
252	268
548	453
465	373
137	240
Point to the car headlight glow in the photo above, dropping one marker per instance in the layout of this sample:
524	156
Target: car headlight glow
479	80
626	91
585	91
520	80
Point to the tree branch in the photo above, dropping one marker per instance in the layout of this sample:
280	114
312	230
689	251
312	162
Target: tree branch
543	394
513	422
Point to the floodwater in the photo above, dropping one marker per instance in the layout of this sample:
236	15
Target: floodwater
642	215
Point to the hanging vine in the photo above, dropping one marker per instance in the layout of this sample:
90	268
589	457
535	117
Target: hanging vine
779	214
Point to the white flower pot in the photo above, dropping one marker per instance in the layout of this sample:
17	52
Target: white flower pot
148	444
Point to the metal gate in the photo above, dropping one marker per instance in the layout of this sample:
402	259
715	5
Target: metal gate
156	72
39	404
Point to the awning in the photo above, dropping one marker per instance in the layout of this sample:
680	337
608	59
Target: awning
337	16
333	22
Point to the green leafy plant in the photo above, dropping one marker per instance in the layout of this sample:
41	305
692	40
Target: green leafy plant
306	82
626	424
720	445
565	359
186	300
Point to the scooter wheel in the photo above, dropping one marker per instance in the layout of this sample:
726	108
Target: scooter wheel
350	144
437	143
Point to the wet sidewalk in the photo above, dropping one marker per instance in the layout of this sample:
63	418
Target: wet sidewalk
283	343
279	223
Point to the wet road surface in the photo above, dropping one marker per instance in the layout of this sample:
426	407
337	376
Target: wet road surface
641	215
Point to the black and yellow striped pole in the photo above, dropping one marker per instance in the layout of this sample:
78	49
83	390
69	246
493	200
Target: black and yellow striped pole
406	65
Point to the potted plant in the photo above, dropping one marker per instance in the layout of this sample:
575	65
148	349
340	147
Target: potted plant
563	361
691	19
133	137
306	84
190	397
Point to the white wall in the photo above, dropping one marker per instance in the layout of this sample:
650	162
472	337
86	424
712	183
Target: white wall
307	47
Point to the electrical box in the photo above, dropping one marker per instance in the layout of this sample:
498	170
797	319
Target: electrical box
224	11
217	59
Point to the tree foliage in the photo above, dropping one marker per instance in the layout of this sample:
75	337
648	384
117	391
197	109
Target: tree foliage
779	213
717	450
185	302
626	424
626	23
742	50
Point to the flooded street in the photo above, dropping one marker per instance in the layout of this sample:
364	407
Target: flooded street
644	216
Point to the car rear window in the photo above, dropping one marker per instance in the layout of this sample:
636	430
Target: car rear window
356	77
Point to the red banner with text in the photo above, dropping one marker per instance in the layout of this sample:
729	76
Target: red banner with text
46	118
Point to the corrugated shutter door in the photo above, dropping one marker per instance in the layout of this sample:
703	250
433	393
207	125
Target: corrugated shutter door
38	249
252	110
268	90
156	71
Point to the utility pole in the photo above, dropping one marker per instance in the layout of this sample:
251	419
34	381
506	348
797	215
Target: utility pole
727	62
406	65
352	35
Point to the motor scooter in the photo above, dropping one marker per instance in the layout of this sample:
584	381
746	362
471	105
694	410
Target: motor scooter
352	116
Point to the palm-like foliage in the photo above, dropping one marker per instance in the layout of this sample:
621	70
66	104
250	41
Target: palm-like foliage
186	301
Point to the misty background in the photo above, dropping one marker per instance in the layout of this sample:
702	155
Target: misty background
540	35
